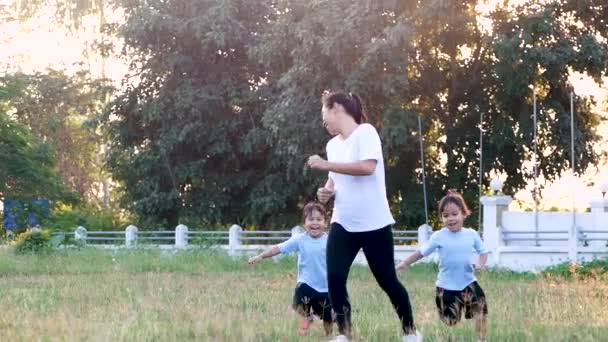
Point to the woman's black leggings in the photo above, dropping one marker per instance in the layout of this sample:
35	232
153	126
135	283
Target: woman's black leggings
342	248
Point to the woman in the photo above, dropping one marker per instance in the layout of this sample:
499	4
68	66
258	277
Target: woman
361	217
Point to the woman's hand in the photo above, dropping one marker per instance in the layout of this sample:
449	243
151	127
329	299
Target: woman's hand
325	194
318	163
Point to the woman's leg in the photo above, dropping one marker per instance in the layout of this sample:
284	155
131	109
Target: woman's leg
321	307
379	252
342	248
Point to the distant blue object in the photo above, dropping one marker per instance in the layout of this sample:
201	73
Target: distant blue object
11	208
42	208
9	221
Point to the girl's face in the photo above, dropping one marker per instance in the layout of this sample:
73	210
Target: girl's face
315	224
330	119
452	217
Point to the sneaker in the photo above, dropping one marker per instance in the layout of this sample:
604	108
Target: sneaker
340	338
413	338
304	327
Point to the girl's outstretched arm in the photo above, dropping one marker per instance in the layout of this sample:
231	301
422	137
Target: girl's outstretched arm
269	253
405	264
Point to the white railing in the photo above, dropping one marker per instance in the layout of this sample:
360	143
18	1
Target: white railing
528	241
520	241
234	238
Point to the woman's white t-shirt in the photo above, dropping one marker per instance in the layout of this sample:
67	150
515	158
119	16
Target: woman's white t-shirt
360	201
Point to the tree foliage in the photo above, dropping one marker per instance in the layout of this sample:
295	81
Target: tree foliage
55	108
27	167
221	107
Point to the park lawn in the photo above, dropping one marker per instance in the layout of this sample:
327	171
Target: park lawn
205	295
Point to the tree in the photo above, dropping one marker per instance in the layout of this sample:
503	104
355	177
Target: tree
72	16
186	140
433	59
222	106
27	167
363	47
540	46
55	108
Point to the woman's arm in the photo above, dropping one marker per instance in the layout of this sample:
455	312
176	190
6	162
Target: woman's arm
329	185
325	193
357	168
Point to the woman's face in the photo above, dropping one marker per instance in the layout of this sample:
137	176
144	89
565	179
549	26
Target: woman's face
330	119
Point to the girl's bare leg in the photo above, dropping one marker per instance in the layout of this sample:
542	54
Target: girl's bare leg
481	327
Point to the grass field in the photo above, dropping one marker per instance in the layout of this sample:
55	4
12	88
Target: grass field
201	295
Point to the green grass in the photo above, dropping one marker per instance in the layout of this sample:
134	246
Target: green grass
148	295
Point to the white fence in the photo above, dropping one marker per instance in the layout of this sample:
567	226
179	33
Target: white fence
234	240
529	241
520	241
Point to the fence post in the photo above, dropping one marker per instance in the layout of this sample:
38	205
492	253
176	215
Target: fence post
80	235
234	237
130	236
493	208
181	236
598	208
599	205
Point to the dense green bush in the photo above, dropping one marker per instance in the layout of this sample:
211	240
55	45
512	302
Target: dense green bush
33	242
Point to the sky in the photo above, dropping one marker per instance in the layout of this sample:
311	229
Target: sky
38	44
